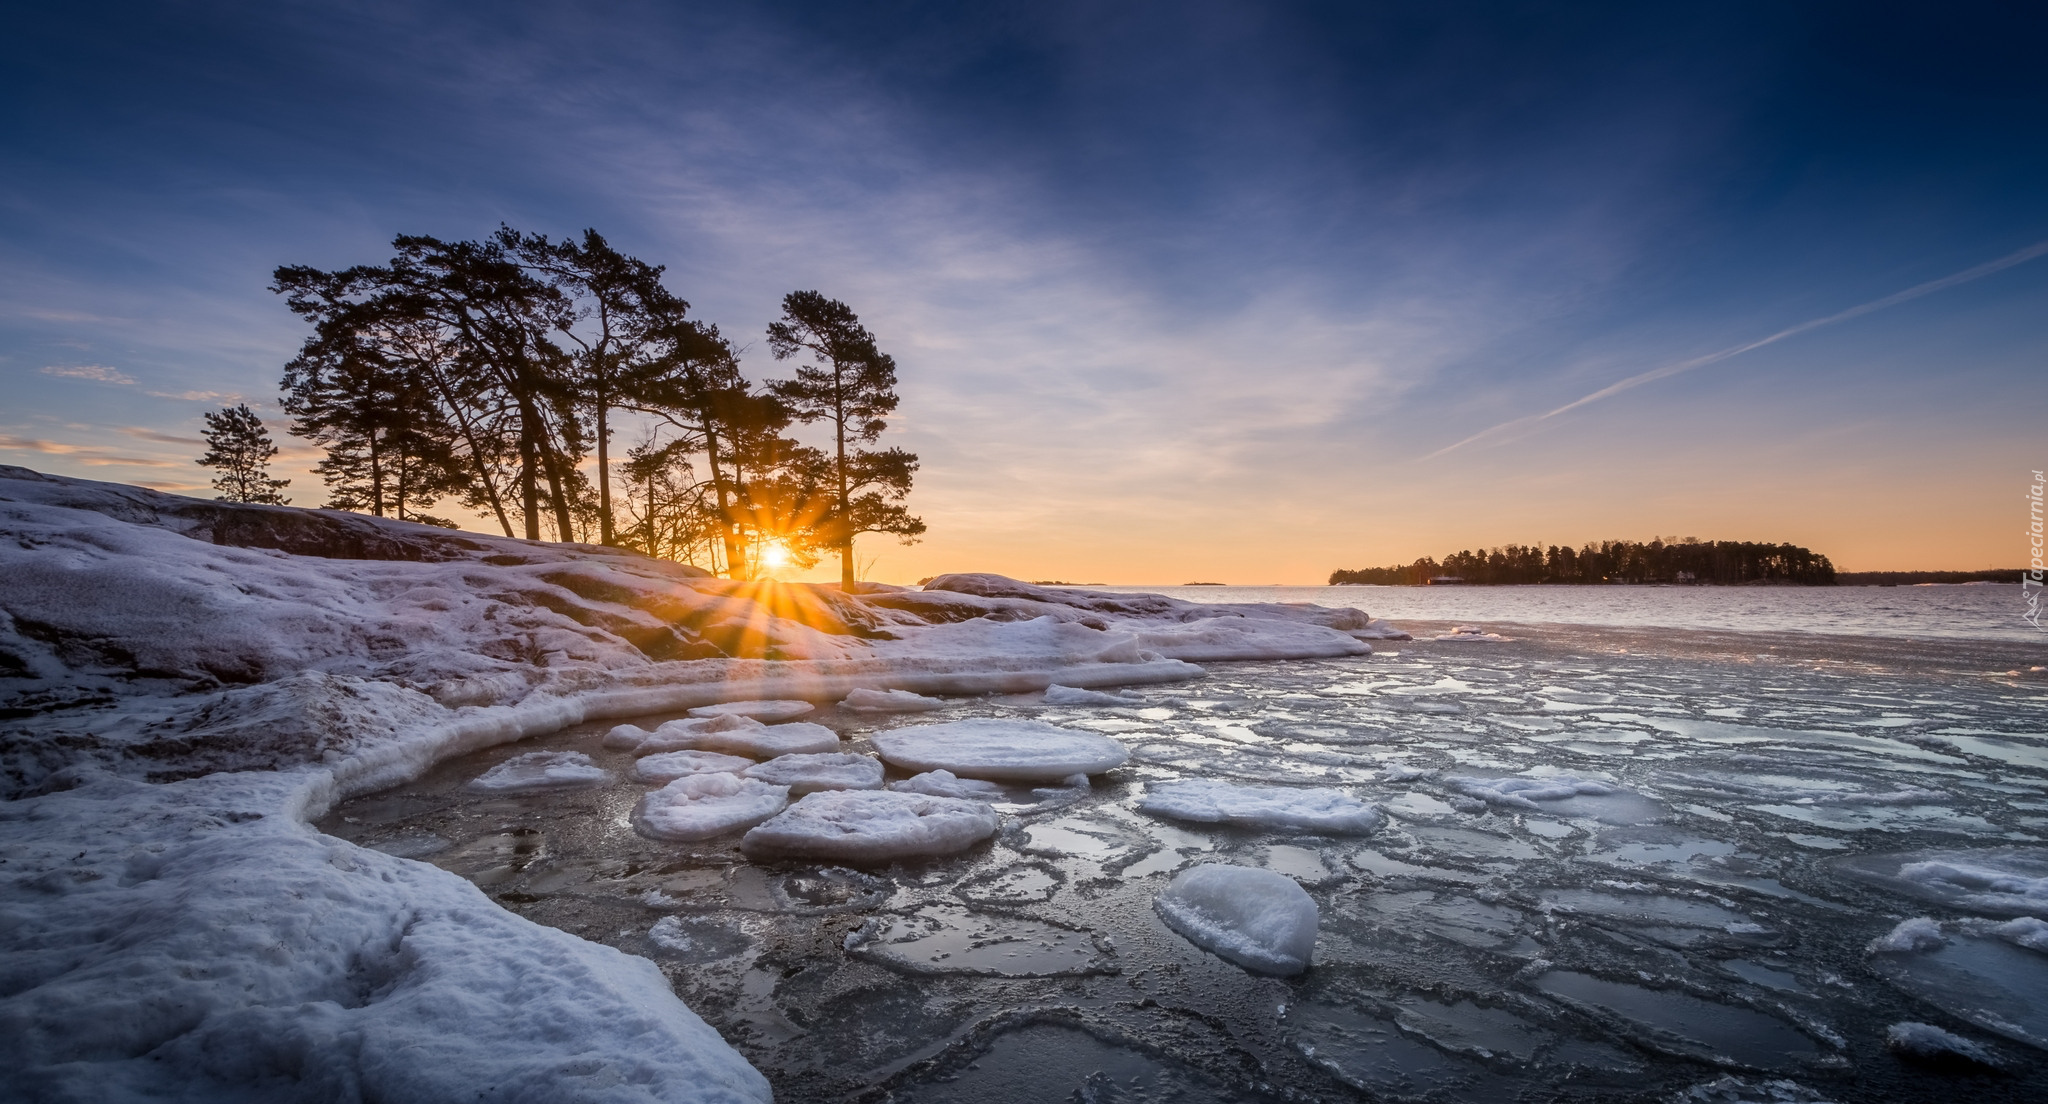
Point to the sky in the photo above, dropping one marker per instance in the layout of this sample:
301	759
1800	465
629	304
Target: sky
1234	292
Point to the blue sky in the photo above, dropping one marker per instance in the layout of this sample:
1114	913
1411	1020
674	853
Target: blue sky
1178	291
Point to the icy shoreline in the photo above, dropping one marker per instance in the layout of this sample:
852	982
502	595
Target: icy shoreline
189	684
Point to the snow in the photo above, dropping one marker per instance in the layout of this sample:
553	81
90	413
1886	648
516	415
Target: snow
2025	932
1309	809
809	773
676	764
944	783
868	827
890	701
1264	922
1000	750
765	711
1525	792
700	806
1926	1041
542	770
290	659
1073	695
1472	633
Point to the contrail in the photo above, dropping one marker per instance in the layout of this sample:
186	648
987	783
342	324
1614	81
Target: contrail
1669	370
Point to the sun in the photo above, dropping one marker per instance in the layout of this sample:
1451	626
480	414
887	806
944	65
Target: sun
775	555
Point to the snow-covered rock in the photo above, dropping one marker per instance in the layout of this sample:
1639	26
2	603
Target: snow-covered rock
700	806
1000	750
1308	809
868	827
196	941
809	773
864	700
541	770
668	765
1264	922
767	712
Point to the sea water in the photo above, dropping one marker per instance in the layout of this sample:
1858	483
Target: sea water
1772	775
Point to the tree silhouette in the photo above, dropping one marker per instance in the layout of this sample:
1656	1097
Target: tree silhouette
240	447
851	384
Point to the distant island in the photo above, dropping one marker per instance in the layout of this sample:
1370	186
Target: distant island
1205	584
1686	561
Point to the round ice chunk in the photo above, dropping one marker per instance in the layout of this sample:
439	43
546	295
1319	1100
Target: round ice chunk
1260	920
1306	809
805	774
677	764
777	710
542	770
891	701
943	783
871	826
626	737
1000	750
744	736
1070	695
699	806
1474	633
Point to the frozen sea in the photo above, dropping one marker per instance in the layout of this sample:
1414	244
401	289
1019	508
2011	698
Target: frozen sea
1777	823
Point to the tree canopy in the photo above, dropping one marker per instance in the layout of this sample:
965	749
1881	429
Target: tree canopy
239	446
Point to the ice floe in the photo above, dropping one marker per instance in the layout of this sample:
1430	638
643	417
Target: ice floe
1989	881
542	770
1472	633
1972	971
944	783
663	766
867	827
1525	792
864	700
737	735
1000	750
811	772
767	712
1071	695
1927	1042
700	806
1308	809
1262	921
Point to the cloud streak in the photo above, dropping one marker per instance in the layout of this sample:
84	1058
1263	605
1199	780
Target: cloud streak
1978	272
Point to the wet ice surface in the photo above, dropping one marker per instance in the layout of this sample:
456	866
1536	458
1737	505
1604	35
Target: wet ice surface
1704	835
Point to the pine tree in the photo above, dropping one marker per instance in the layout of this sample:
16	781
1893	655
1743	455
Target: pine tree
851	384
240	447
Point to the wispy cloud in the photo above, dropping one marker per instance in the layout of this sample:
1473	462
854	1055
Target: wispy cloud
198	396
98	373
1978	272
143	433
83	454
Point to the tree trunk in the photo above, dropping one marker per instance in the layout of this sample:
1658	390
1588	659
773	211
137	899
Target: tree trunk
605	535
529	489
846	585
735	552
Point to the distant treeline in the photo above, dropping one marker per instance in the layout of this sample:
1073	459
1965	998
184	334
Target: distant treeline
1724	563
1915	578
